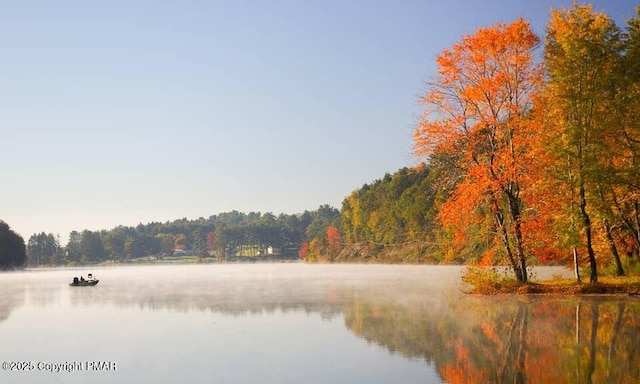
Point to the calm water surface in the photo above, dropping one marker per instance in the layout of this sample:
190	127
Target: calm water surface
298	323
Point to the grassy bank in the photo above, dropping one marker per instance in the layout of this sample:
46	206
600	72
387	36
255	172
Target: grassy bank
490	281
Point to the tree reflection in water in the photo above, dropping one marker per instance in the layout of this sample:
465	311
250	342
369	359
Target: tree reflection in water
511	340
10	299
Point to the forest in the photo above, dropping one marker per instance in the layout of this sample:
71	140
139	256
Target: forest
528	152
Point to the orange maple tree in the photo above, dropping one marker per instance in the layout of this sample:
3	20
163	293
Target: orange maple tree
478	109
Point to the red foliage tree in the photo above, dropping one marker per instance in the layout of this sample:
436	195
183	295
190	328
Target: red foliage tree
304	250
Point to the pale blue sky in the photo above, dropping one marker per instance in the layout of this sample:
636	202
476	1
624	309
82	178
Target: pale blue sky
122	112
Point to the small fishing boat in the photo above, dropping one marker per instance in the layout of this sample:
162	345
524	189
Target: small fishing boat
81	282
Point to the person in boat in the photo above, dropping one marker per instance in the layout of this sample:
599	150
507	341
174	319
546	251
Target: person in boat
81	278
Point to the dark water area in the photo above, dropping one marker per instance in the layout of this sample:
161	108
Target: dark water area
294	323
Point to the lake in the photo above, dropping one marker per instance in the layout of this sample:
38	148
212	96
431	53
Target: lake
299	323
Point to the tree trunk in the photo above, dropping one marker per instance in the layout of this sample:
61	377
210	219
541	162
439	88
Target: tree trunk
586	222
576	265
576	260
613	248
521	254
637	228
504	236
514	207
507	247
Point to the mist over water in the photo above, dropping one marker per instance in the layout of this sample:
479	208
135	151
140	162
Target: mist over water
292	323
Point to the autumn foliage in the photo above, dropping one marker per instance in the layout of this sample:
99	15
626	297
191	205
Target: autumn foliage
478	110
540	158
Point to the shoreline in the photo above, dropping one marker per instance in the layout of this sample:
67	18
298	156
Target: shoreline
562	288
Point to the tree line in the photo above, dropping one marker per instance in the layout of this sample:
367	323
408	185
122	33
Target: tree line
225	236
389	220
